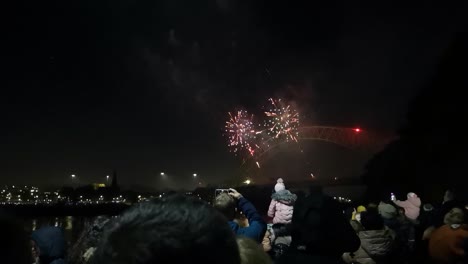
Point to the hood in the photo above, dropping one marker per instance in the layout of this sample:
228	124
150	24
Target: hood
284	196
387	211
415	200
50	241
377	243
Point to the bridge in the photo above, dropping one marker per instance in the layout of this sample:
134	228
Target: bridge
355	139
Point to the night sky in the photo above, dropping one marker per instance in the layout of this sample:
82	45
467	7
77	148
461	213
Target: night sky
144	86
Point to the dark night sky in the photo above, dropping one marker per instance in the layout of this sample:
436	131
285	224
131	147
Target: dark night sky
144	86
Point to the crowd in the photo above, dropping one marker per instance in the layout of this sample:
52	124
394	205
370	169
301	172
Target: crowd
300	228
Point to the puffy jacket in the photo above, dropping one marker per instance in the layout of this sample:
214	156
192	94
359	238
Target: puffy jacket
411	206
376	246
446	244
257	227
319	228
281	207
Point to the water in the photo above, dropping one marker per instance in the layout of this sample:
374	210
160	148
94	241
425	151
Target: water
72	226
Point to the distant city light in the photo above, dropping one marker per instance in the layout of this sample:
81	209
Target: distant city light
194	175
247	182
73	175
162	173
357	130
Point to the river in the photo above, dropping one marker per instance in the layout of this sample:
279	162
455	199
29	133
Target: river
72	226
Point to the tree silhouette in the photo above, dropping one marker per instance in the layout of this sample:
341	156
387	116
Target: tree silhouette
432	149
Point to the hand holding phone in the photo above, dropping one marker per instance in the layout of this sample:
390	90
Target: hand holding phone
234	193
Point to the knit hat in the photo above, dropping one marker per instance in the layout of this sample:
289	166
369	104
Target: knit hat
387	211
361	209
279	185
428	207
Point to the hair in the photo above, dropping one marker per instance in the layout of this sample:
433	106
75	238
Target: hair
251	252
14	245
371	220
89	239
439	219
174	229
455	216
280	230
226	204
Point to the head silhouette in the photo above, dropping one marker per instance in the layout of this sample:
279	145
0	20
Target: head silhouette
174	229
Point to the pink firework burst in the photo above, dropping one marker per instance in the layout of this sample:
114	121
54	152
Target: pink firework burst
240	131
282	120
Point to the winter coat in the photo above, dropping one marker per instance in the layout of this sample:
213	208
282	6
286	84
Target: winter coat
257	227
281	207
376	246
412	207
51	243
319	228
447	243
356	226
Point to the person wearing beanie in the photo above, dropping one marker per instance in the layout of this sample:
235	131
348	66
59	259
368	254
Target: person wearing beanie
282	204
280	185
456	216
358	211
428	207
377	242
320	233
411	205
442	242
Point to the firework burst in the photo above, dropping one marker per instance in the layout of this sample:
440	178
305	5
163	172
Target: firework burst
282	121
240	131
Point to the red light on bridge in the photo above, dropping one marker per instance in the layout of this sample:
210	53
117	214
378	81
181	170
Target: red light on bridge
357	130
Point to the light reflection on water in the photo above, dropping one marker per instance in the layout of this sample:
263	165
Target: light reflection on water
71	225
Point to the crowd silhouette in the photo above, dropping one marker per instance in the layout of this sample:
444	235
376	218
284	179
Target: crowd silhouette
305	228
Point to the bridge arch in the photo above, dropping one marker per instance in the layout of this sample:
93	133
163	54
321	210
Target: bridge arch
355	139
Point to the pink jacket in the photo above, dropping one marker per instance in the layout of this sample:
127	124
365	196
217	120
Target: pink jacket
281	207
411	205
